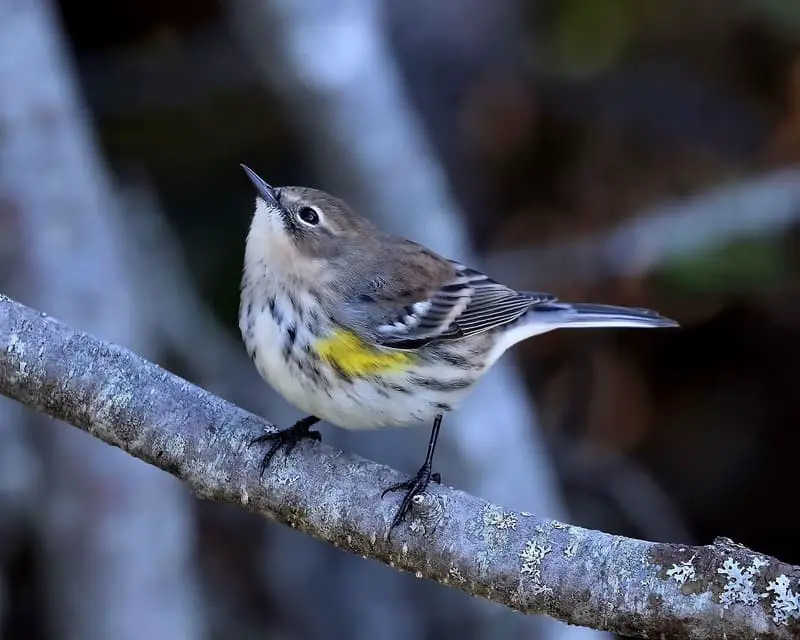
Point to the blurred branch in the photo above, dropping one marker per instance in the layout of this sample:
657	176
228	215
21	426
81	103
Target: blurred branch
759	206
114	538
529	564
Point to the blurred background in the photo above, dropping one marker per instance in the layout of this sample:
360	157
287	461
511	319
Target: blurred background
636	152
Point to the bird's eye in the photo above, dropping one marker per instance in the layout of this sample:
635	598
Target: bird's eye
309	216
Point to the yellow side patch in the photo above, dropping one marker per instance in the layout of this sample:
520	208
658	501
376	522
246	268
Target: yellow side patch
345	351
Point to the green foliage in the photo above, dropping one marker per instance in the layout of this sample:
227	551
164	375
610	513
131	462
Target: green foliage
589	37
741	266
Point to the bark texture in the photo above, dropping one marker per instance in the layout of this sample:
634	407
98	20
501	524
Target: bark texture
530	564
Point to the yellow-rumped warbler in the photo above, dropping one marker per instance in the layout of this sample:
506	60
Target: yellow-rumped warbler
366	330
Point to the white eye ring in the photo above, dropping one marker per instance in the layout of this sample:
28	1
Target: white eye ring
309	216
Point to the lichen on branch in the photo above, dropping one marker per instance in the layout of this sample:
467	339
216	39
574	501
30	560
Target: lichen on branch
531	564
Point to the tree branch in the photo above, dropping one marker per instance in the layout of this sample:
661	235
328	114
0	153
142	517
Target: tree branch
530	564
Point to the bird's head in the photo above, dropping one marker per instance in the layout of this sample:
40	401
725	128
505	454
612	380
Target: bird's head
303	230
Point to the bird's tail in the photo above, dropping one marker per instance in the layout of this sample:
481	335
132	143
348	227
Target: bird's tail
548	316
586	315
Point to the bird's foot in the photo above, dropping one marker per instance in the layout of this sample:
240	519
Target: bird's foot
287	438
413	487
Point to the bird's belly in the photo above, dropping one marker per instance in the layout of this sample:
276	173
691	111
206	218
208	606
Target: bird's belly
362	404
390	399
378	401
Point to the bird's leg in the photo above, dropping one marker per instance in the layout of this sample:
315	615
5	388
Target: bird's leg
417	484
300	430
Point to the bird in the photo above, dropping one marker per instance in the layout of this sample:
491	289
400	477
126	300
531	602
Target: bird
367	330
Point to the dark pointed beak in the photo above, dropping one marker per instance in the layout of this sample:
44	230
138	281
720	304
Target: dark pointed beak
263	190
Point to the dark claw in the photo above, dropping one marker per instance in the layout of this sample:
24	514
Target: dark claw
288	438
420	482
413	487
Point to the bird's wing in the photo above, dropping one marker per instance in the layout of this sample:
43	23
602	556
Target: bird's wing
451	301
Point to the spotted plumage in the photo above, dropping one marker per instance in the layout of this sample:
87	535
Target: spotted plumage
367	330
